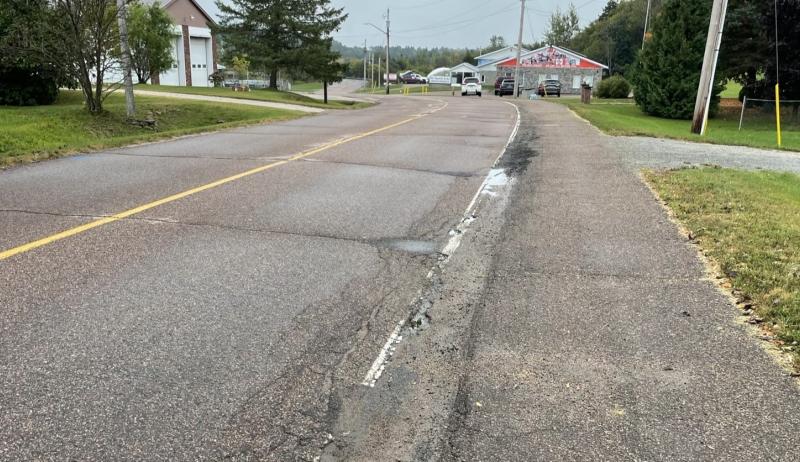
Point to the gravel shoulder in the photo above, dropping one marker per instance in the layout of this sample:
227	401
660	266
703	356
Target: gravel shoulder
643	152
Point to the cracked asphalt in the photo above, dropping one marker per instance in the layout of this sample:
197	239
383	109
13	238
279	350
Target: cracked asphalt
217	326
572	323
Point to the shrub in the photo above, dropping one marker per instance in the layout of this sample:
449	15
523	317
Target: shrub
22	86
613	87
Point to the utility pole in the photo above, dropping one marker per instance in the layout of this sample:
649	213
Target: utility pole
519	49
646	20
706	86
365	62
122	21
387	47
387	51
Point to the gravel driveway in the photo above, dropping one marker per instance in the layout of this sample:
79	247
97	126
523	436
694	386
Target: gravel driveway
643	152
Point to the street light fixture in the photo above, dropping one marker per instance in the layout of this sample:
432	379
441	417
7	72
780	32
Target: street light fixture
387	45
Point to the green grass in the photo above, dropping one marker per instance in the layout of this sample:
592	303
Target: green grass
38	132
306	86
622	117
731	90
274	96
749	223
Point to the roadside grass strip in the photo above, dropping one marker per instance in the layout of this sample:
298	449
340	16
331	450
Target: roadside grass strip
39	132
748	223
624	118
272	96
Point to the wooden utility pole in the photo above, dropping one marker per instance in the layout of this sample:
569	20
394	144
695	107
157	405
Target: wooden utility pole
706	87
122	20
365	62
519	50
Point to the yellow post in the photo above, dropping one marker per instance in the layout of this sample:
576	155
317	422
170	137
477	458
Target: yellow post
778	111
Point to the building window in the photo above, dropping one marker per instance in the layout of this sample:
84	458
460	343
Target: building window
576	82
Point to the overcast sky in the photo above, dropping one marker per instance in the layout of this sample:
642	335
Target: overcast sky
447	23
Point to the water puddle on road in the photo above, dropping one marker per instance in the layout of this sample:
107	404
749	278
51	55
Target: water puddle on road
496	179
410	246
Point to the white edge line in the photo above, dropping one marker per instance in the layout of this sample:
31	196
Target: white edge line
453	243
380	362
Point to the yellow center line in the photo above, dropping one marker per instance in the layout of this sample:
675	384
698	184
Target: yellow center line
136	210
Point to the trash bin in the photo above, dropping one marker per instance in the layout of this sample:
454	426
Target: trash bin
586	93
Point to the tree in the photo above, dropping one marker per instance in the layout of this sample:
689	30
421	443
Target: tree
274	33
615	37
27	75
667	73
241	65
496	42
150	38
88	35
563	26
322	63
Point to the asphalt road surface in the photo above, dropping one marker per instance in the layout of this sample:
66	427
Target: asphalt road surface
219	324
370	285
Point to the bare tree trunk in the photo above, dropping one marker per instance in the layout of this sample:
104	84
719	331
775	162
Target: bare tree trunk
273	79
122	20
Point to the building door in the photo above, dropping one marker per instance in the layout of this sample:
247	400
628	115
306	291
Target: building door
199	50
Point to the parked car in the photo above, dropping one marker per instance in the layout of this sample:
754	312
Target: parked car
497	82
506	87
550	88
471	86
413	78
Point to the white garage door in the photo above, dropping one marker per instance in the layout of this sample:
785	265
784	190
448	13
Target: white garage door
199	62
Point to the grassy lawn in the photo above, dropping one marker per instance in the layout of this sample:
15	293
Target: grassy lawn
622	117
274	96
731	90
306	86
749	223
31	133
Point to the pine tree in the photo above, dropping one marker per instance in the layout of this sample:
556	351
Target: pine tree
275	34
667	72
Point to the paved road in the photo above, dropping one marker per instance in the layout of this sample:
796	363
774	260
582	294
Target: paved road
574	323
219	325
242	319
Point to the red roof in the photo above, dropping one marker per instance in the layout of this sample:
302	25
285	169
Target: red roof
553	58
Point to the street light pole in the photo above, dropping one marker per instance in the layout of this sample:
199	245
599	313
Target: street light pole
387	51
646	20
387	46
519	49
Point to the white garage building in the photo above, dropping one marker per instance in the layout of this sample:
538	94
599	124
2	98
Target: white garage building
194	48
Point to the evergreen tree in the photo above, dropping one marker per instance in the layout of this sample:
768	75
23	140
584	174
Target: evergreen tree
563	27
28	73
667	72
150	39
275	34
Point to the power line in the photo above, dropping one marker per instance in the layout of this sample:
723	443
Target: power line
453	23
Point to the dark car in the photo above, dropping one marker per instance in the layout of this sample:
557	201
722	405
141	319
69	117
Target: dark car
497	82
550	88
506	87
